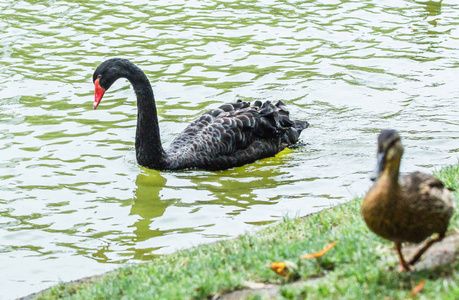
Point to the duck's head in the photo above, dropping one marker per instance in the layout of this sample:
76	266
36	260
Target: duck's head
390	151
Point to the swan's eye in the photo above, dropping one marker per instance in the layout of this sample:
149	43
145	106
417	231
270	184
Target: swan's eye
99	76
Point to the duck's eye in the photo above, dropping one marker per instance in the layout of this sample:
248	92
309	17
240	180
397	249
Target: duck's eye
392	143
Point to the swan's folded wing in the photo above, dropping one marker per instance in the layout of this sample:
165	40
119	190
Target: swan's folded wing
236	134
429	192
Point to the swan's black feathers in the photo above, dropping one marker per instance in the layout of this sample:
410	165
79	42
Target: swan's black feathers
233	135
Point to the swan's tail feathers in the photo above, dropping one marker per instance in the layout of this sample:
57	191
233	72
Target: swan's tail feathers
281	105
293	133
276	122
292	136
300	125
284	118
257	104
293	127
284	114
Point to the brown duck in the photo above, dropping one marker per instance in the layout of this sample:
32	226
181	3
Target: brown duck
407	208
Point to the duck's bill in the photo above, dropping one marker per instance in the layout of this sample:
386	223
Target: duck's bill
98	93
380	165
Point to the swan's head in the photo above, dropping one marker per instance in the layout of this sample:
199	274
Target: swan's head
106	74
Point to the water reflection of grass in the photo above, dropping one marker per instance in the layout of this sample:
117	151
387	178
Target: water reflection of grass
361	266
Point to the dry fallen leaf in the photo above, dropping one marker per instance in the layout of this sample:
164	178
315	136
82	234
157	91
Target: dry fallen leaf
418	288
284	268
320	253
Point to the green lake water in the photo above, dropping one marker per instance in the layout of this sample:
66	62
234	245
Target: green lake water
73	201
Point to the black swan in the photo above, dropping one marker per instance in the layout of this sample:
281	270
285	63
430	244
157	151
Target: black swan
230	136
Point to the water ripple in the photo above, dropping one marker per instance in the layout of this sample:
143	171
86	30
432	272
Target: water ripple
72	193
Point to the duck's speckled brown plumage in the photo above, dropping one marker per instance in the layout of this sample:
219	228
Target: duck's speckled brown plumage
407	208
229	136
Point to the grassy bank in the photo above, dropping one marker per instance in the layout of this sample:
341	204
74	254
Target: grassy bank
360	266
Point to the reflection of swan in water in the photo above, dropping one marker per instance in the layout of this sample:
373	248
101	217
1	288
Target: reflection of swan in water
237	187
191	193
149	206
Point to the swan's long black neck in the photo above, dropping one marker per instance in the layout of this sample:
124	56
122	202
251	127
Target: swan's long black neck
149	151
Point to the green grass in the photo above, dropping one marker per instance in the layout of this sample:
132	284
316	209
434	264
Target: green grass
360	266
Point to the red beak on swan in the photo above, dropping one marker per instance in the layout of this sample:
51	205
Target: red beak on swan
98	92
